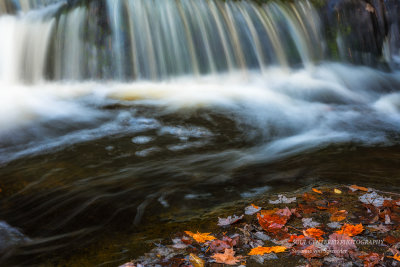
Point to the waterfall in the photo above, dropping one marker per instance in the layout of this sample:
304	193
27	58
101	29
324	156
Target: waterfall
156	39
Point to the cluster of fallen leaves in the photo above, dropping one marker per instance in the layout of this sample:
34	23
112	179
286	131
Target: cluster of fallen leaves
324	227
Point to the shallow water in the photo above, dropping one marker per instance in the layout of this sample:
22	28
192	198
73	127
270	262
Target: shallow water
87	161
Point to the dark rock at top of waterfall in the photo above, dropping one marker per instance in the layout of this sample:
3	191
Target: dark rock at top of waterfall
10	237
360	27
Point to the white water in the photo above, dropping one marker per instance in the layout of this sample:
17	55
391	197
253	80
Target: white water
281	112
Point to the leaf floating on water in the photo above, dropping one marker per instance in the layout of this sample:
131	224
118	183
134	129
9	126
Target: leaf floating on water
229	220
283	199
337	191
351	230
317	191
195	260
228	257
200	237
356	187
264	250
339	216
373	199
252	209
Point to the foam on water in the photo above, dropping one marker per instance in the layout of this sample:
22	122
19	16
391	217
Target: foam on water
281	112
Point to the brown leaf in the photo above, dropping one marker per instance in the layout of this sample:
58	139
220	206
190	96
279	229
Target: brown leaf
338	216
228	257
371	259
341	244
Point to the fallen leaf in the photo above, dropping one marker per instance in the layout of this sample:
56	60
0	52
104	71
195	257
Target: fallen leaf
313	252
178	244
334	225
308	197
351	230
195	260
314	233
371	259
317	191
270	221
309	223
396	257
373	198
229	220
341	244
283	199
381	228
219	245
200	237
337	191
307	209
250	210
284	212
228	257
338	216
356	187
263	250
391	240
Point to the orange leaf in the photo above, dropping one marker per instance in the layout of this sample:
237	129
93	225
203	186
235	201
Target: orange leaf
200	237
317	191
263	250
396	257
227	257
314	232
339	216
270	221
351	230
254	206
356	187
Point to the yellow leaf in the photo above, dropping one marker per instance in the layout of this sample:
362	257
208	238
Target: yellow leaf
263	250
200	237
195	261
337	191
317	191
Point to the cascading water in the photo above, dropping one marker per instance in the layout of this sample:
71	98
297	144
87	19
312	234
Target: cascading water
112	108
